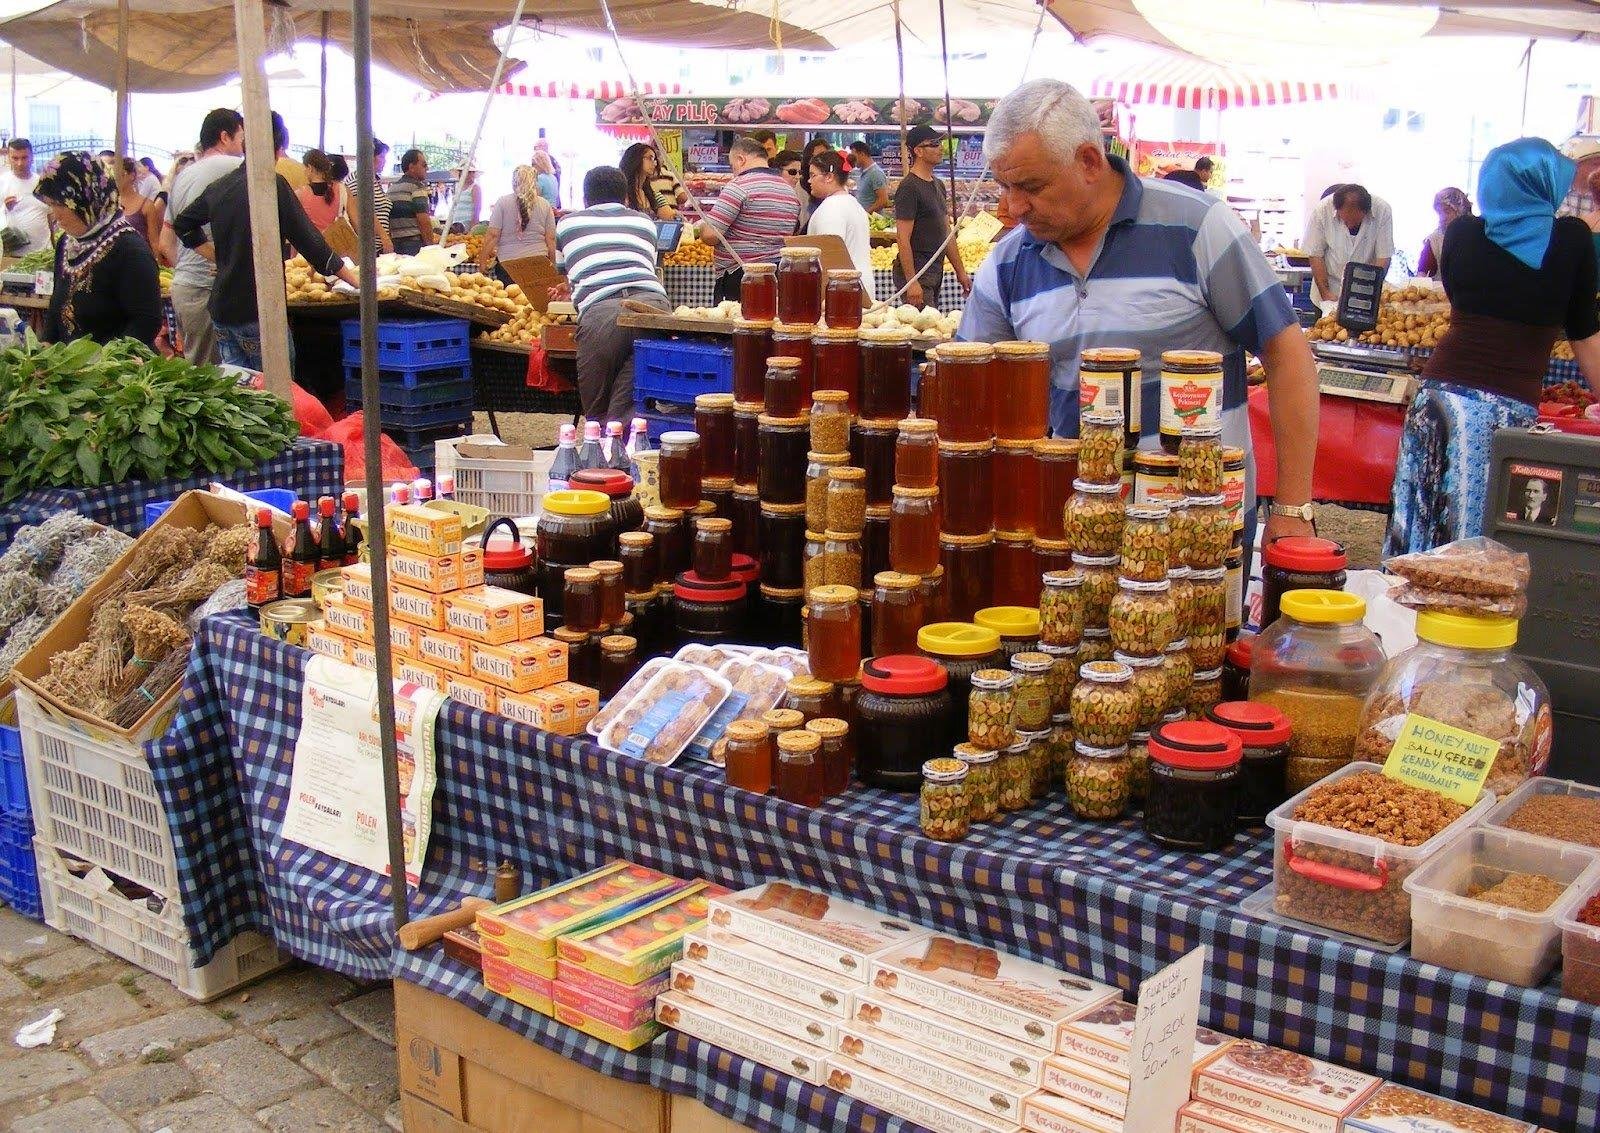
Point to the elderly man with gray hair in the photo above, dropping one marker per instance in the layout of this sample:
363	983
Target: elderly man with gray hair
1103	257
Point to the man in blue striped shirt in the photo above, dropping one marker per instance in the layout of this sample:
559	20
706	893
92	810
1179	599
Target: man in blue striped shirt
1102	257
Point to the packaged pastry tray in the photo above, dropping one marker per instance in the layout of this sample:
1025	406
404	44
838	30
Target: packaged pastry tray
1399	1109
903	1099
755	1003
809	986
953	1038
813	927
801	1060
658	723
756	689
943	1077
1297	1092
619	700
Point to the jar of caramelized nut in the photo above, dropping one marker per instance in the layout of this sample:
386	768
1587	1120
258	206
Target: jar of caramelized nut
1178	669
1100	448
991	709
1210	533
1143	621
1063	676
1039	766
983	781
1094	518
1149	687
1095	646
1061	608
1099	781
1032	673
1208	618
1099	587
1016	777
1200	460
945	800
1146	544
1105	707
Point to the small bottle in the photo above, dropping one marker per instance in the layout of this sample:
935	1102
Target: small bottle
616	447
301	561
263	572
330	537
590	454
566	459
421	490
352	536
638	441
400	493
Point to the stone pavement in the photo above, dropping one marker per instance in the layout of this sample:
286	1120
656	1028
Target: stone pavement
303	1051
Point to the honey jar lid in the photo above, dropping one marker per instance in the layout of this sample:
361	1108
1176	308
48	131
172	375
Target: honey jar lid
781	593
878	425
966	540
1009	621
794	330
836	334
654	511
963	352
1256	724
1014	446
885	336
1013	537
832	595
919	425
747	731
878	511
944	770
582	575
1023	349
1095	560
1058	447
1206	501
847	472
760	268
799	253
606	568
799	742
687	590
1195	745
1323	607
895	580
618	643
714	484
828	727
782	719
713	401
748	408
1191	358
752	324
1051	546
914	493
636	539
572	637
713	525
965	446
747	491
1232	454
957	639
783	362
1109	355
1207	574
744	568
827	459
767	422
903	675
576	502
808	686
841	536
845	274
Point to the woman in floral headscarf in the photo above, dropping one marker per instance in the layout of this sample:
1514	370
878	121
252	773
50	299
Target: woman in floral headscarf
106	285
1447	204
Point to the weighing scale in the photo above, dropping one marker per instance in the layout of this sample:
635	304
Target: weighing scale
1365	373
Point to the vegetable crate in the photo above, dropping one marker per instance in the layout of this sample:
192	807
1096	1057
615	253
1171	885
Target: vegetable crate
676	370
13	775
411	346
143	929
505	487
19	879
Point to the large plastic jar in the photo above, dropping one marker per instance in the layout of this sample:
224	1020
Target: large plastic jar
1017	625
968	562
904	712
837	364
1316	664
966	477
1192	798
1461	672
885	373
1109	381
800	285
962	648
1264	733
1058	468
752	346
709	614
783	445
1021	390
965	383
509	565
617	487
1016	486
574	529
1298	562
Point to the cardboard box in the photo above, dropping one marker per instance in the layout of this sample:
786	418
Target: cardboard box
418	673
1014	997
1099	1039
493	615
319	639
1046	1113
521	666
403	638
364	656
949	1037
1203	1117
543	708
423	530
813	927
519	985
531	924
642	943
437	574
618	1016
815	988
357	585
479	694
800	1060
1397	1109
417	607
598	987
942	1077
445	651
757	1004
691	1116
353	623
1291	1089
585	701
896	1096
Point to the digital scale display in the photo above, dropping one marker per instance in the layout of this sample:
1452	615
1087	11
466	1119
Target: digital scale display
1365	384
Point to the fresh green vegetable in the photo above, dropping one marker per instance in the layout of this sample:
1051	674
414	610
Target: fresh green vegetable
79	414
42	260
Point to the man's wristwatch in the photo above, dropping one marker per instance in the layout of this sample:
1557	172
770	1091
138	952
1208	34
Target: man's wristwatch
1302	511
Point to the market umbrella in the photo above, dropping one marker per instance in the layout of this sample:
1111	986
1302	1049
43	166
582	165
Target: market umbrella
1187	83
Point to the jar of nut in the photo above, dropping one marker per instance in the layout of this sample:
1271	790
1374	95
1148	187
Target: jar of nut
1100	448
1146	544
983	781
1099	781
1138	766
1095	646
1142	619
1032	673
1099	586
1200	460
1062	677
991	709
1094	518
1209	530
1182	579
1016	777
1061	741
1105	707
1149	688
1178	669
1039	766
1061	608
1204	691
944	809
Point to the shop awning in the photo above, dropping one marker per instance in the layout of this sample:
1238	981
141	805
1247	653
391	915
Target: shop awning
579	92
1194	84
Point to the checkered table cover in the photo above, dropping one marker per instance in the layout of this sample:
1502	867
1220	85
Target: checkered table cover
696	287
1094	899
308	468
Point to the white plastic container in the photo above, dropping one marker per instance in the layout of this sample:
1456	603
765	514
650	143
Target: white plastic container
1540	785
1349	882
1497	942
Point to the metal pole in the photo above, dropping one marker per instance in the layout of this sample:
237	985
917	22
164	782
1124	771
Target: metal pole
361	51
483	117
121	142
322	108
1527	74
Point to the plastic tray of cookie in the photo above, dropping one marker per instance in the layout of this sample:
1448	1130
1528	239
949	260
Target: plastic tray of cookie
658	723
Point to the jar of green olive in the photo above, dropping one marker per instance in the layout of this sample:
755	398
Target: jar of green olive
1095	646
1149	687
1178	669
1062	676
944	809
983	781
1099	780
1032	673
1204	692
991	709
1210	531
1142	618
1100	446
1208	621
1104	704
1098	587
1200	460
1139	766
1146	543
1016	777
1094	517
1061	608
1039	766
1061	737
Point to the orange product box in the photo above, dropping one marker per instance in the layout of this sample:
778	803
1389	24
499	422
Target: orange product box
437	574
519	958
1203	1117
521	666
363	656
531	924
417	607
347	620
629	997
418	673
518	985
544	708
403	638
644	943
444	651
357	580
1098	1042
1045	1113
585	701
468	691
620	1016
320	640
424	530
494	615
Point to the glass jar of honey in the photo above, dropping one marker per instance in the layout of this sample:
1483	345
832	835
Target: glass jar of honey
818	466
810	697
580	600
1191	393
800	285
833	632
1016	581
837	753
914	530
795	340
1021	390
930	394
749	756
931	588
782	391
745	511
716	497
752	346
896	613
830	422
758	292
872	448
841	299
968	562
781	475
613	592
783	542
847	499
682	466
1058	468
837	363
966	380
713	421
780	615
916	454
1109	380
1051	554
713	548
637	550
1016	487
841	559
875	542
672	537
799	778
966	474
885	373
747	440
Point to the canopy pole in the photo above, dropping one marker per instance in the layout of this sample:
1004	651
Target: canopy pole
272	311
121	142
483	118
322	107
372	453
949	119
1527	74
15	132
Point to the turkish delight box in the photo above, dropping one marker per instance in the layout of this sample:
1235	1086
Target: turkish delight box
1046	1113
758	1004
821	990
1203	1117
598	987
645	941
1279	1085
902	1098
942	1035
1092	1086
986	988
1397	1109
802	1060
626	1039
812	927
1101	1036
531	924
943	1077
620	1017
518	985
464	946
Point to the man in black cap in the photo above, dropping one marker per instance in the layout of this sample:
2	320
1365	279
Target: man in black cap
921	223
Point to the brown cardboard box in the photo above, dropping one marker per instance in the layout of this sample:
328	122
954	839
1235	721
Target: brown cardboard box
460	1073
690	1116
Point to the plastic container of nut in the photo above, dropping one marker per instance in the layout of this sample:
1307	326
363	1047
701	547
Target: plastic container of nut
1558	809
1353	882
1487	904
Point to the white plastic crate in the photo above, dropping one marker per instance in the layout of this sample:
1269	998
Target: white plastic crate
94	797
505	487
155	941
444	452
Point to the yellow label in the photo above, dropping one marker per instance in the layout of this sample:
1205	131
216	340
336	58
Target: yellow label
1437	757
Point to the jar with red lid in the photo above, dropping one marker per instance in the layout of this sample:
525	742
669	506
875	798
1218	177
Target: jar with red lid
794	340
1021	390
747	441
916	454
618	487
903	712
800	285
758	291
966	477
713	420
836	364
833	632
752	346
965	383
707	612
885	373
841	298
1016	576
1058	468
872	445
1192	800
509	564
1298	562
1016	487
914	530
781	477
1264	733
968	562
681	466
1236	668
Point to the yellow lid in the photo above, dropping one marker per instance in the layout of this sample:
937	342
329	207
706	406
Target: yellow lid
957	639
1324	607
576	501
1009	621
1467	631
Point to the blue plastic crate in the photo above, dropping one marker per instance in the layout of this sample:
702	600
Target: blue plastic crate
281	498
680	369
19	874
393	396
414	441
426	417
412	344
13	778
410	379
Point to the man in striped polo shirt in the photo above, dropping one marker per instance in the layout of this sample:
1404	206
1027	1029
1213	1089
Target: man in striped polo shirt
609	254
752	215
1102	257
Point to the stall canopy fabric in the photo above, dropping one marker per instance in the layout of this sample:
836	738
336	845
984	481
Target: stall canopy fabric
1194	84
850	23
605	90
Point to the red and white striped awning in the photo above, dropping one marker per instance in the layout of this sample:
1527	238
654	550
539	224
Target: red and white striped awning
1194	84
605	89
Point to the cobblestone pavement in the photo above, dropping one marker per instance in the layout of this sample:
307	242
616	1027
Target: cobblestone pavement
303	1051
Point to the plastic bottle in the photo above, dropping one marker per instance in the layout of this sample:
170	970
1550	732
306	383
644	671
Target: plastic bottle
421	490
590	454
566	460
300	563
638	441
330	536
263	573
352	536
400	494
445	489
617	448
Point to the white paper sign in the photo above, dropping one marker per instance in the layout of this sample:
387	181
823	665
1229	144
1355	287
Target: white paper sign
336	788
1161	1056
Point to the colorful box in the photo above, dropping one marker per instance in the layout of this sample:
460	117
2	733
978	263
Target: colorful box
899	1097
403	638
417	607
319	639
418	673
1203	1117
757	1004
531	924
1100	1038
813	927
599	987
943	1035
494	616
1397	1109
633	948
520	666
437	574
463	946
423	530
1291	1089
1006	994
347	620
478	694
585	702
812	987
618	1016
357	580
801	1060
444	651
518	985
1045	1113
363	656
945	1078
542	708
617	1037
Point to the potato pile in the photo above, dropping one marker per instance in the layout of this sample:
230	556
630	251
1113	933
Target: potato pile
473	241
1416	316
487	291
305	285
689	253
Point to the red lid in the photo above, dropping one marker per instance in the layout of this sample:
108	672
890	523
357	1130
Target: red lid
691	588
745	569
1195	745
1240	652
1306	553
325	505
264	517
608	480
302	509
689	580
504	558
1255	723
351	501
903	675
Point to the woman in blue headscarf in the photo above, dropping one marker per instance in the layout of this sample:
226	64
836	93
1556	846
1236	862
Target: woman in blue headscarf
1517	276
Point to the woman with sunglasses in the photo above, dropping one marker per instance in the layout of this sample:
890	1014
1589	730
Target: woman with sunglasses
789	163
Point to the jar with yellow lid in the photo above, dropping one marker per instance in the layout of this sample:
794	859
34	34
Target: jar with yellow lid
1109	379
961	649
575	528
1191	393
1018	627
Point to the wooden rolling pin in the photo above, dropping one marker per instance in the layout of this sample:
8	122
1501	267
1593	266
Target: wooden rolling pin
420	934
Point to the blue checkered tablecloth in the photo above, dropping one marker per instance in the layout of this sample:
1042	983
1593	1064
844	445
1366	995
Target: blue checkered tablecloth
309	468
1093	899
